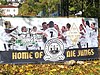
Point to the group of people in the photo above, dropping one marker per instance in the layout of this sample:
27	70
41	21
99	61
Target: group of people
34	38
88	35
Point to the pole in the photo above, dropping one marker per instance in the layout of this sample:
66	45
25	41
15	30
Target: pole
65	8
82	8
58	7
67	11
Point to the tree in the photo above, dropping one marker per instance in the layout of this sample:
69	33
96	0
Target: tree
27	8
3	2
34	7
1	12
90	8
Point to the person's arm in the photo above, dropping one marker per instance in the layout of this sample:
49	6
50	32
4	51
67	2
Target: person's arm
83	22
14	29
9	31
39	33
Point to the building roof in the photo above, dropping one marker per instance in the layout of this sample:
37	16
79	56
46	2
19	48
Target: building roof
8	6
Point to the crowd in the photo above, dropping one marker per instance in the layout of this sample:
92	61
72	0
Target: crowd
34	38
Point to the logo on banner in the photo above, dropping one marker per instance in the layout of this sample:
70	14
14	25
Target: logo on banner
54	50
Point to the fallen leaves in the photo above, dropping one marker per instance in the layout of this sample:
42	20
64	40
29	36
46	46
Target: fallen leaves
67	68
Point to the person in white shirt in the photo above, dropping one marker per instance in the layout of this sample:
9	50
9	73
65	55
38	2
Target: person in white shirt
23	32
37	38
21	42
68	40
7	36
65	38
82	42
51	32
44	27
93	36
87	29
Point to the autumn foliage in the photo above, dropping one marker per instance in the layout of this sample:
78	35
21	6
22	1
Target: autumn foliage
87	68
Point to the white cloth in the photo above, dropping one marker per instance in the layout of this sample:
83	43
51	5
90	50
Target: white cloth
82	39
68	42
93	37
51	33
5	38
88	30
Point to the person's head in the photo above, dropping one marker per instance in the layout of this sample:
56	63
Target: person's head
81	27
24	29
93	25
87	23
63	29
51	24
68	26
56	27
44	25
7	24
34	28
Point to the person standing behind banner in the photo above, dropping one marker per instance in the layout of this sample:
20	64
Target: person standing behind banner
93	36
88	30
51	32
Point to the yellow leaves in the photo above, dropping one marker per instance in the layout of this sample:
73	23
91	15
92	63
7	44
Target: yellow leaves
62	72
71	62
51	73
80	62
86	64
21	70
6	65
61	66
27	73
86	68
53	70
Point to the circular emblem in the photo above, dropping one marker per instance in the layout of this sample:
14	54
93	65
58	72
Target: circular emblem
54	50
